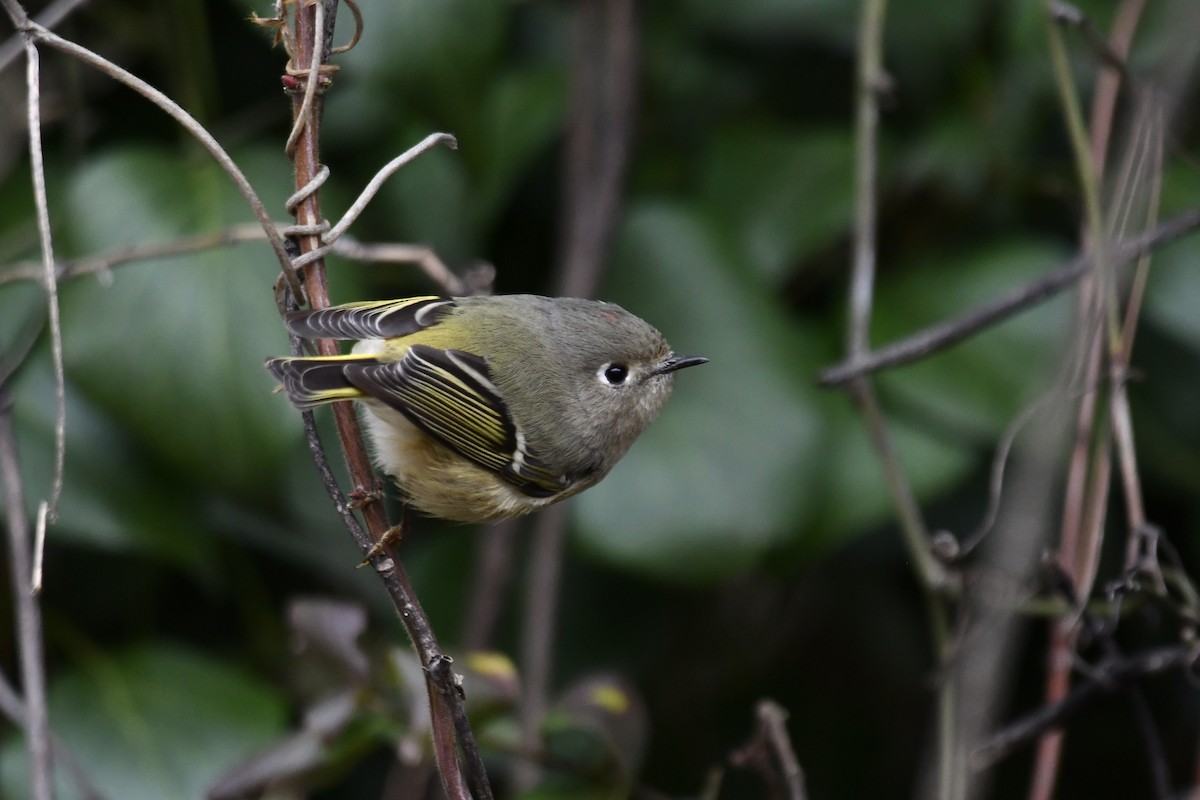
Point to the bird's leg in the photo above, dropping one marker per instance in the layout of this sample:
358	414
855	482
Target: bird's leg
390	537
361	496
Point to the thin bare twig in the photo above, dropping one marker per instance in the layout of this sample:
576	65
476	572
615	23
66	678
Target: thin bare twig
871	80
1144	156
1108	676
1088	480
50	281
489	585
53	14
29	616
40	35
948	333
421	255
603	90
345	247
770	752
376	183
13	707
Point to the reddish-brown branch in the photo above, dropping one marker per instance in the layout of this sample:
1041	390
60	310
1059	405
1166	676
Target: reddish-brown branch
448	716
1091	460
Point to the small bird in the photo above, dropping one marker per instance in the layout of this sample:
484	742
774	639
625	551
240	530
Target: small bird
483	408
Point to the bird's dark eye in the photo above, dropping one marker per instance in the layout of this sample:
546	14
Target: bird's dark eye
616	374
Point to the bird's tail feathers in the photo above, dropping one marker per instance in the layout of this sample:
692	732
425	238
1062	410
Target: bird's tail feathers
315	381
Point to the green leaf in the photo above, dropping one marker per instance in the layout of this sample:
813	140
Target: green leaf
829	20
112	496
1173	287
722	476
524	113
979	385
1173	291
158	723
420	45
781	195
852	488
173	349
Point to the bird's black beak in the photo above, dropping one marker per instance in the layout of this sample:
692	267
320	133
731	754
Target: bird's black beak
674	362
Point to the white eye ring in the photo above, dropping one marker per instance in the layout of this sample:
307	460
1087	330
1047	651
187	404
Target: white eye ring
613	373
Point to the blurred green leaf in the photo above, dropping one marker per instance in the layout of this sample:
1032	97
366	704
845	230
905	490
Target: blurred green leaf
977	386
723	475
780	195
1173	291
852	488
831	21
153	722
112	496
417	49
523	116
1173	288
173	349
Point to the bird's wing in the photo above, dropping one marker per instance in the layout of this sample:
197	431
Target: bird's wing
449	394
379	319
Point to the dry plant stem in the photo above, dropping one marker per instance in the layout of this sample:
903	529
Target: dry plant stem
489	586
448	716
946	334
1110	675
53	14
424	257
403	597
13	707
1108	82
42	36
862	282
773	721
1091	461
871	81
376	183
50	280
603	78
1146	155
346	247
537	635
29	616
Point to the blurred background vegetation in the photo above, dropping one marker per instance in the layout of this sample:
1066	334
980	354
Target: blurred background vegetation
746	546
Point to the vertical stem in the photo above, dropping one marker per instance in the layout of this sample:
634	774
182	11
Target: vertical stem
871	79
537	634
29	618
448	716
603	73
866	159
1091	463
489	584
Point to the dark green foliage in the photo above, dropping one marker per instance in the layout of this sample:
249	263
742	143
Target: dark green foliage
745	546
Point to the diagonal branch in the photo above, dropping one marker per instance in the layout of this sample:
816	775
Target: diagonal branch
946	334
